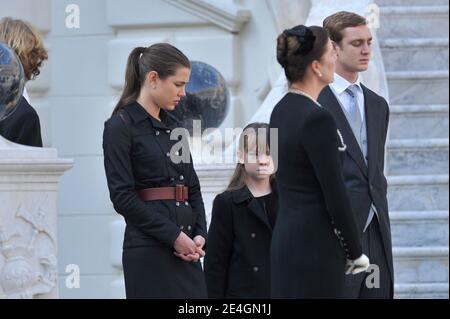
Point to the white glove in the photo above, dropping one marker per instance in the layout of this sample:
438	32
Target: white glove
357	266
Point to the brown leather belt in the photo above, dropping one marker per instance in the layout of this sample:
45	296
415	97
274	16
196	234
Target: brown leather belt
179	193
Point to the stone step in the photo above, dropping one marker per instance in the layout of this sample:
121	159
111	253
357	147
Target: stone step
419	121
410	2
421	291
418	87
419	228
421	156
416	193
414	22
415	54
421	264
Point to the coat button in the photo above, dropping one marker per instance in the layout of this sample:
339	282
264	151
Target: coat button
157	133
181	227
168	131
186	203
255	269
181	178
178	204
189	227
168	154
253	235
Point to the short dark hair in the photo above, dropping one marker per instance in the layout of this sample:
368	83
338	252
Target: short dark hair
289	51
336	23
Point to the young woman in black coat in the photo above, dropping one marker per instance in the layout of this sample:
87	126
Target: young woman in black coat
157	192
315	242
23	125
237	262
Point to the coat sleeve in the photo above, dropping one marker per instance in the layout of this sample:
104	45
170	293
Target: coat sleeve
35	131
220	247
196	202
121	184
29	129
321	142
385	133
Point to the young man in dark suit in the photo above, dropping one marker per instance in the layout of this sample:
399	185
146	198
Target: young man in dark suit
362	117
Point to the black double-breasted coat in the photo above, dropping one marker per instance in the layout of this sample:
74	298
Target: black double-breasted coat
237	262
315	231
137	155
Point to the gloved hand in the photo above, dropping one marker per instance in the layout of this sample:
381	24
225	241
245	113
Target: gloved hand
357	266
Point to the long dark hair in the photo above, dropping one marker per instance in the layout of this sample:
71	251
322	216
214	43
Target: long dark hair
162	58
240	175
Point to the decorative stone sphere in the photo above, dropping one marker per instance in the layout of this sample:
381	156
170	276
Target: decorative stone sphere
207	98
12	81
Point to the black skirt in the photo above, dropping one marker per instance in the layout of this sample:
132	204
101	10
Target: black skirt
154	272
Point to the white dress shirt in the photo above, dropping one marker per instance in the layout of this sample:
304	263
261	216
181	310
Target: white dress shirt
25	95
340	85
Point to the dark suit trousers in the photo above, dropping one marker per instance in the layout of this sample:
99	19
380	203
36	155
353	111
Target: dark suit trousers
359	286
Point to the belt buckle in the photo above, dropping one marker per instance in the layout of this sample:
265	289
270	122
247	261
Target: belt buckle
179	193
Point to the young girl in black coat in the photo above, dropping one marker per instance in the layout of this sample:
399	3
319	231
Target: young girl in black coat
237	262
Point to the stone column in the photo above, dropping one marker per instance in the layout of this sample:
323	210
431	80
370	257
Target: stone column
29	180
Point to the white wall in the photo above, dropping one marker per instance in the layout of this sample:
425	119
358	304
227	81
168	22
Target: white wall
80	83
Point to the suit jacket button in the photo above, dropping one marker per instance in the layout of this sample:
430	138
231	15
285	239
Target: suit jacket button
255	269
253	235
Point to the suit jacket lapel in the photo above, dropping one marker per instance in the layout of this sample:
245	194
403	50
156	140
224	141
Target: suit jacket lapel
331	103
371	122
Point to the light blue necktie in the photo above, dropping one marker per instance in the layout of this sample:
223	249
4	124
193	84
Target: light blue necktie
354	111
357	126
